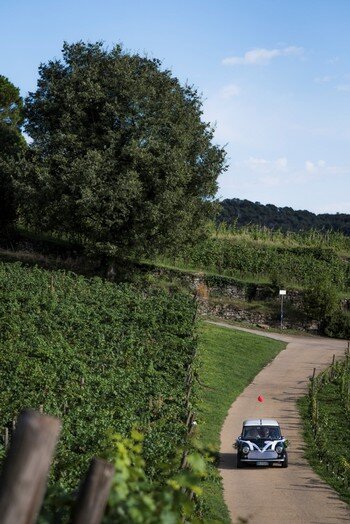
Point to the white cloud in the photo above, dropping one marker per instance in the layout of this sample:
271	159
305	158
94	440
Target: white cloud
344	87
261	56
264	166
281	163
270	180
314	167
230	91
310	166
333	60
322	168
323	79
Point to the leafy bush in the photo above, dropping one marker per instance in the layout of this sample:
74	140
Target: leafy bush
321	300
337	325
134	498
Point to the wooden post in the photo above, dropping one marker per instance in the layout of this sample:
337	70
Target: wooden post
23	479
184	461
189	419
6	437
312	388
316	420
93	494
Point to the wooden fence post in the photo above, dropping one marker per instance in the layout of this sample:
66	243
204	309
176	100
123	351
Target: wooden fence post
26	466
332	373
93	494
6	437
312	385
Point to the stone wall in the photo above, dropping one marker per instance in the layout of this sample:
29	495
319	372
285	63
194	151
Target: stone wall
209	296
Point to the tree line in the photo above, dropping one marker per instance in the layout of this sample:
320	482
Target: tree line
244	212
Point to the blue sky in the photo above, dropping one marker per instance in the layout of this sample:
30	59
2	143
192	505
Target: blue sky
274	74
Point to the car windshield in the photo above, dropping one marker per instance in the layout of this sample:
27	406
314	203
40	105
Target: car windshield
261	432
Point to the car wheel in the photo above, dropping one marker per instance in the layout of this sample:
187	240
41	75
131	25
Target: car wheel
285	462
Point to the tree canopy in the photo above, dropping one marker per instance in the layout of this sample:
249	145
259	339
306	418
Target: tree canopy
11	144
11	117
120	154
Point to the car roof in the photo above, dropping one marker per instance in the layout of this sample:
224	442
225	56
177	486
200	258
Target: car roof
260	422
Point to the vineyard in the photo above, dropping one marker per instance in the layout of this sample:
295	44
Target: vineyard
261	255
326	413
310	237
105	359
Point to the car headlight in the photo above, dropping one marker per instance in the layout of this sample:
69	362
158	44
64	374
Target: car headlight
279	448
245	449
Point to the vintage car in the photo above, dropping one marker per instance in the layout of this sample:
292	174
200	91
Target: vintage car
261	444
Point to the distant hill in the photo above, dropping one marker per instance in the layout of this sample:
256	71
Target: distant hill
244	212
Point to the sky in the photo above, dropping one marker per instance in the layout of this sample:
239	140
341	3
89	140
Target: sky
274	77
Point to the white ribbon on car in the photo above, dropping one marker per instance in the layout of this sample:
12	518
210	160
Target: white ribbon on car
268	444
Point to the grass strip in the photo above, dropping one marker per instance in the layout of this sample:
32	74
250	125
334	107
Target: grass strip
230	360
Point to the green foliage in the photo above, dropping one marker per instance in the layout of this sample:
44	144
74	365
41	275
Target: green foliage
321	303
321	300
12	144
261	261
8	208
337	241
120	154
11	117
246	257
325	414
101	357
134	498
337	325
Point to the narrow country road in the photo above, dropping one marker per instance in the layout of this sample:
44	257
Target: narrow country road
296	494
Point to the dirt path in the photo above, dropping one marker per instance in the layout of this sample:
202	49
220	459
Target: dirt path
293	495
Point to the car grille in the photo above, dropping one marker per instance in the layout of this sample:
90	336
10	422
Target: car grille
262	455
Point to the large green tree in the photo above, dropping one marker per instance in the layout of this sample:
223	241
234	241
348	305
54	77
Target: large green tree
120	154
12	144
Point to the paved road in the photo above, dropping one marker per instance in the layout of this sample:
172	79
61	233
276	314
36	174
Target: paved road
296	494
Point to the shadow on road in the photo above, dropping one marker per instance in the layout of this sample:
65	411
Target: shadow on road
228	460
